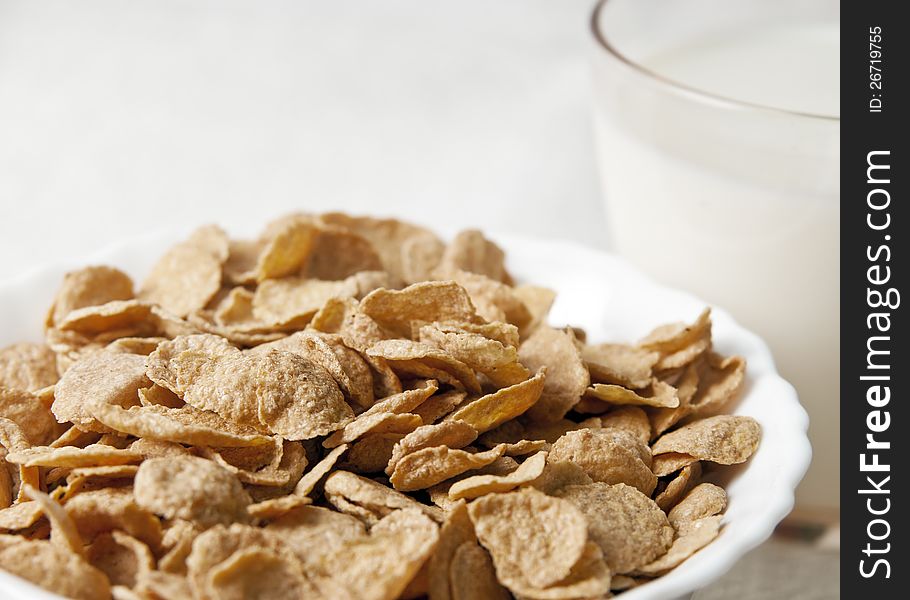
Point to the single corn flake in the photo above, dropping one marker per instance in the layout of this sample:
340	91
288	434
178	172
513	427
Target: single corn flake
430	301
629	527
658	394
189	274
492	410
480	485
705	500
429	466
620	364
724	439
567	376
27	366
530	535
608	456
190	488
90	286
696	536
99	378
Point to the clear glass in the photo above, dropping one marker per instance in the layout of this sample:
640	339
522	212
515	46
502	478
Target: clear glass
719	156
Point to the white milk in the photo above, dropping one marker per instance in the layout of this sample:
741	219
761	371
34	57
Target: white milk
792	66
740	209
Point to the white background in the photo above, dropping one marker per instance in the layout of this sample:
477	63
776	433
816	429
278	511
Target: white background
118	117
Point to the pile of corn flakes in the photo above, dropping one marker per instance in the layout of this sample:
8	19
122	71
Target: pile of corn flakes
350	408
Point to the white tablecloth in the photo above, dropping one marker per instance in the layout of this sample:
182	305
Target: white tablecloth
120	117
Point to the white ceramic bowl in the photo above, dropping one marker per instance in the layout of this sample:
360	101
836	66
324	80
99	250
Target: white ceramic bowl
613	302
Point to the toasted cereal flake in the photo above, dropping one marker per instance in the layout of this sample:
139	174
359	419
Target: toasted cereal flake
106	509
678	487
293	301
659	395
724	439
405	401
217	545
455	531
627	525
150	448
135	345
312	531
300	400
454	434
277	507
348	370
428	466
373	423
119	317
7	493
480	485
371	453
185	425
63	530
319	470
492	410
670	462
20	516
705	500
89	286
343	488
495	301
99	378
589	578
421	360
190	488
106	473
30	414
55	569
696	536
381	566
338	253
157	395
429	301
176	364
189	274
121	557
439	405
236	310
607	455
471	251
673	337
529	534
720	382
557	475
538	300
620	364
490	357
471	575
258	573
286	249
628	418
420	254
68	456
393	240
27	366
663	419
686	355
567	376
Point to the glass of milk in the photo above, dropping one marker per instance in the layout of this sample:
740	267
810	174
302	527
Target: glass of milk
718	137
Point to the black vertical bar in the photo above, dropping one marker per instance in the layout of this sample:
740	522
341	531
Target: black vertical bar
874	228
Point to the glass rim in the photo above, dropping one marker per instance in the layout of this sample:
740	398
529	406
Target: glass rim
693	92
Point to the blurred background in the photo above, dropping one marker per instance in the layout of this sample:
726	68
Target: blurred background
125	117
